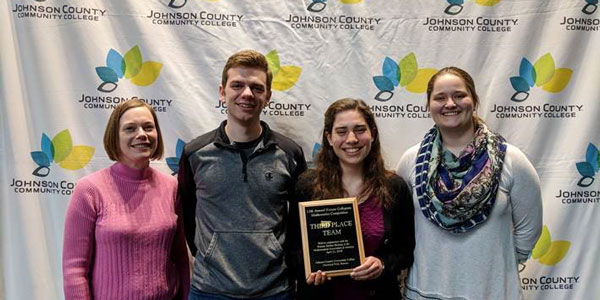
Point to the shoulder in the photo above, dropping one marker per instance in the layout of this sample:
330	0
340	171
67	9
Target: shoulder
284	142
517	167
201	141
304	184
406	163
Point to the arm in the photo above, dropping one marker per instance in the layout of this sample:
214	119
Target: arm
401	235
78	243
179	254
186	197
525	201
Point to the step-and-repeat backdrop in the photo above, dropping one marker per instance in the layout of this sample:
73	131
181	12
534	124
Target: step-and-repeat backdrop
66	63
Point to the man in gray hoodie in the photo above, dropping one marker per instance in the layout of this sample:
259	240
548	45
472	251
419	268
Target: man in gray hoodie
235	183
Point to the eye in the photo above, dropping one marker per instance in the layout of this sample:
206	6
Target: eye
235	85
341	131
258	88
149	127
360	129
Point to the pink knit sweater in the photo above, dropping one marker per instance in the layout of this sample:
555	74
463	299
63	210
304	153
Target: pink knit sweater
123	238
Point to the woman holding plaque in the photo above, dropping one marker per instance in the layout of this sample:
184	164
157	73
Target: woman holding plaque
350	164
477	201
123	231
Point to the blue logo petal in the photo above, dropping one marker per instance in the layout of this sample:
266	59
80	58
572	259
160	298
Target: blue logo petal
114	60
591	156
173	163
179	147
585	169
527	71
47	147
519	84
107	74
40	158
390	70
383	83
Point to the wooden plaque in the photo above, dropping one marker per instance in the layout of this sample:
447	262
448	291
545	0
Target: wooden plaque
331	236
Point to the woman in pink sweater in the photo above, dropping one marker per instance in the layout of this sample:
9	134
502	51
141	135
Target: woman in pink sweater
123	230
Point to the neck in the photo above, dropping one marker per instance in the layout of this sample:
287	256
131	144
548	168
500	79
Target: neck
243	132
352	180
456	140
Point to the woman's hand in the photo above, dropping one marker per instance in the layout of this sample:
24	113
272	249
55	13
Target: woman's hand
370	269
317	278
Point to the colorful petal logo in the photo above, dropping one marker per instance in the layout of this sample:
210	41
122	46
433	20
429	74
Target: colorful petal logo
319	5
549	252
589	167
284	77
173	162
406	73
543	74
182	3
131	66
456	6
590	7
60	150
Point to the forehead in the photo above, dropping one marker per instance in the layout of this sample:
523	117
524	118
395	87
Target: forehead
243	73
349	118
137	113
449	81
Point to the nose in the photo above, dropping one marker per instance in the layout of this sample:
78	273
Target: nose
351	137
449	102
141	134
247	92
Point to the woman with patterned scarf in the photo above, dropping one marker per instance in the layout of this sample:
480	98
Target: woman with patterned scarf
477	196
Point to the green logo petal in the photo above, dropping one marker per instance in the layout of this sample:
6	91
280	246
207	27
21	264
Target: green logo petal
559	80
350	1
273	61
556	252
147	74
419	84
78	158
286	78
133	62
542	245
408	69
63	145
544	68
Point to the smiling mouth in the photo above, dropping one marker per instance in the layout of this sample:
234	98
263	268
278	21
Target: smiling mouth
142	146
352	150
451	113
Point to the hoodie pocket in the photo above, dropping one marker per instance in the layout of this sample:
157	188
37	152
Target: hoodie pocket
244	262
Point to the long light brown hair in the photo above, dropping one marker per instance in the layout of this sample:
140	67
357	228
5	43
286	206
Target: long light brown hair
328	180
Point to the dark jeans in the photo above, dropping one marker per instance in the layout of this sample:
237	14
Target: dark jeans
198	295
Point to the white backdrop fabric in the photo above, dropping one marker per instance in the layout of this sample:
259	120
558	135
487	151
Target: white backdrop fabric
65	64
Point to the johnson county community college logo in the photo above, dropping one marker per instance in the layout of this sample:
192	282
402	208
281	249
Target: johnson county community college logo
455	7
59	12
130	66
319	5
331	22
576	23
197	18
407	74
587	169
549	253
544	74
284	78
60	150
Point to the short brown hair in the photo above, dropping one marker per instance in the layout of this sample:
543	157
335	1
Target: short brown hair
111	133
250	59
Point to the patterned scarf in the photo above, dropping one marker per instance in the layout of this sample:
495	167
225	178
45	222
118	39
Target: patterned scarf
458	193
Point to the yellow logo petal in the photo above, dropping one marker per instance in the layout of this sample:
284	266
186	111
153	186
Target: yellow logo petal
78	158
542	245
419	84
487	2
350	1
557	251
148	73
286	78
559	80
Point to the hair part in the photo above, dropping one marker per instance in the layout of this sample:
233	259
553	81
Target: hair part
467	80
249	59
328	180
111	133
